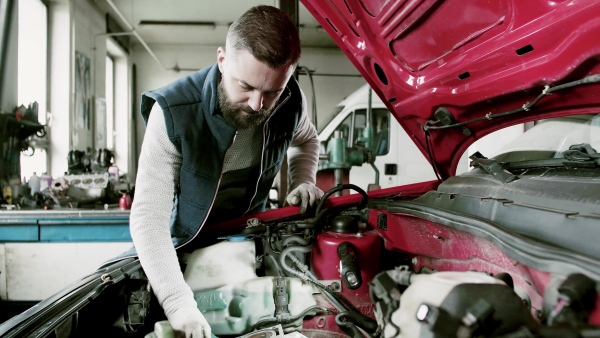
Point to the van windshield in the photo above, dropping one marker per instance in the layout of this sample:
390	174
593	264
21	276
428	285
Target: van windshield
328	117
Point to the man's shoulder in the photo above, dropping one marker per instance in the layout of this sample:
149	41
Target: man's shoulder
207	73
187	89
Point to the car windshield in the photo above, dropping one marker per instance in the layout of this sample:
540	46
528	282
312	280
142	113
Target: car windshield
550	138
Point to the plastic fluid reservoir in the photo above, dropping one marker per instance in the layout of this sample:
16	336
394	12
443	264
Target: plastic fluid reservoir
45	181
34	183
227	262
162	329
234	308
365	246
431	289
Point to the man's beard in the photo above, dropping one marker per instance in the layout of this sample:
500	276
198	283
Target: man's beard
234	113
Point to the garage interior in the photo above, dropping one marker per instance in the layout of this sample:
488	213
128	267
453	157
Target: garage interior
80	67
73	74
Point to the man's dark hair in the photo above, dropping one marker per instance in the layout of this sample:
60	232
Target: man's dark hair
268	34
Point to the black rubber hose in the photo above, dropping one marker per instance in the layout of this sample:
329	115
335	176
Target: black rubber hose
348	327
340	187
360	320
363	202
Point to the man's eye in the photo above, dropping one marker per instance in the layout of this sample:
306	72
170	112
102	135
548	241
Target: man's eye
272	93
244	87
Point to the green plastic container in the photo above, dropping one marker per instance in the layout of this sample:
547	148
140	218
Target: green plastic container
233	309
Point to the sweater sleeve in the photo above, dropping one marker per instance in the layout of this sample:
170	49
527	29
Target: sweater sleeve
303	154
157	178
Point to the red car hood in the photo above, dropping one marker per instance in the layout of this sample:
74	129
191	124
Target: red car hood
478	59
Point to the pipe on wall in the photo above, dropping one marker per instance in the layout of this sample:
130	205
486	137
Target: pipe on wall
136	34
6	13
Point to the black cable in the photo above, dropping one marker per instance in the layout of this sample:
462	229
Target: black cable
436	170
314	96
336	299
349	328
362	203
351	322
526	107
270	243
340	187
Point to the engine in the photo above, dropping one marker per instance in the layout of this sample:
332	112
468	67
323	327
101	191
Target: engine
334	275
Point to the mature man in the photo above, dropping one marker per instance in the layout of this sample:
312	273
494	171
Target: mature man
214	142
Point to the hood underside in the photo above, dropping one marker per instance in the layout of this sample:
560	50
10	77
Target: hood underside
471	61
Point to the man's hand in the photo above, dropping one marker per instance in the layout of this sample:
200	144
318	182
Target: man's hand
304	195
189	322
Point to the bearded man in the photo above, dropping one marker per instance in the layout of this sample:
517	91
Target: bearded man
214	142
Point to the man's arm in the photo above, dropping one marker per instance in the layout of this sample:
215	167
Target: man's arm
157	179
303	159
303	154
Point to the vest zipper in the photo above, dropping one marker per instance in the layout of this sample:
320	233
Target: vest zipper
221	176
213	198
262	153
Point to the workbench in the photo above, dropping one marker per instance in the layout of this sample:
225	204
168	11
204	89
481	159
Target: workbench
43	251
64	225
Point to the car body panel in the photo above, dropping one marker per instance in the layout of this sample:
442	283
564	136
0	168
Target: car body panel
528	225
471	57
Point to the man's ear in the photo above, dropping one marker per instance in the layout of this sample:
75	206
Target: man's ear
221	58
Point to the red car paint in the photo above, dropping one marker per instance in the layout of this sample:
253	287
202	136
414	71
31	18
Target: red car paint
326	264
472	57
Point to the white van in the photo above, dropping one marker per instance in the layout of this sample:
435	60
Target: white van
398	159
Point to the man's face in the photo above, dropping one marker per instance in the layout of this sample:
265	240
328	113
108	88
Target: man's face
249	88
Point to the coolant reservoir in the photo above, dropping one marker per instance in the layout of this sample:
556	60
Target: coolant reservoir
162	329
227	262
234	308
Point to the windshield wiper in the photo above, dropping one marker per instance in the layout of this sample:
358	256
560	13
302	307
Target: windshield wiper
578	156
492	167
581	152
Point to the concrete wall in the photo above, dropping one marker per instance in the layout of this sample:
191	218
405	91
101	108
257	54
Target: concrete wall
78	27
89	41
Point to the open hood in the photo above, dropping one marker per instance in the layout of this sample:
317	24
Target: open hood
454	71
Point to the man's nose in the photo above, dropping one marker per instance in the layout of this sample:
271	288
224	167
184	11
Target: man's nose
255	101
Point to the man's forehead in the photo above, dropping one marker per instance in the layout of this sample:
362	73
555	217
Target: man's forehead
251	86
251	72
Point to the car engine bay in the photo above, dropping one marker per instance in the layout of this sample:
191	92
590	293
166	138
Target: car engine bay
388	268
400	264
